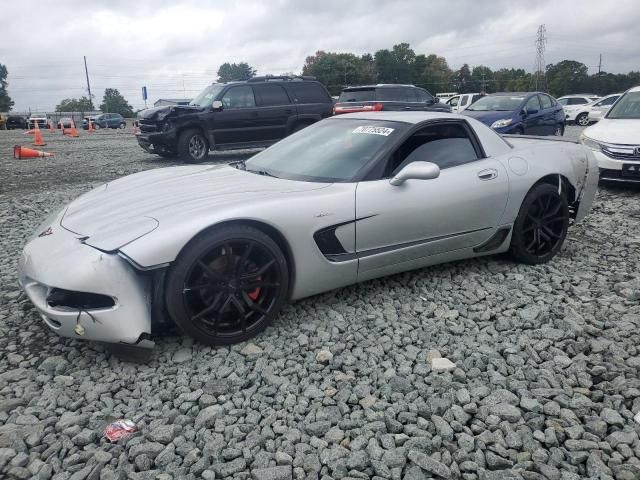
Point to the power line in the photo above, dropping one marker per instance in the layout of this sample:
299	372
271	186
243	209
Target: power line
538	80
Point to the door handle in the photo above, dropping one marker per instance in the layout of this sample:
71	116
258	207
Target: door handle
488	174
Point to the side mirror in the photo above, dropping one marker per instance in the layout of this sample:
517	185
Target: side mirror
531	111
216	105
416	171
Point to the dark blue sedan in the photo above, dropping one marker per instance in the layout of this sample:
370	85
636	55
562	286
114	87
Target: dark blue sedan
530	113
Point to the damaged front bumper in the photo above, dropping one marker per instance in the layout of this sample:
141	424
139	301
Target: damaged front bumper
84	293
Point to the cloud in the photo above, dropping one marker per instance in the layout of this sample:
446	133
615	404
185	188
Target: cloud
175	48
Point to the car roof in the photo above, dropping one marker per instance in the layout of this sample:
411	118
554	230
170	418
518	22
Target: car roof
406	117
634	89
511	94
580	95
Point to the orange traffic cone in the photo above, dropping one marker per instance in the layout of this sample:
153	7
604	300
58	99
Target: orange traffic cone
71	132
24	152
38	141
91	129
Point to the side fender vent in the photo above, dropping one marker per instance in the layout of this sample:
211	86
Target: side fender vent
494	242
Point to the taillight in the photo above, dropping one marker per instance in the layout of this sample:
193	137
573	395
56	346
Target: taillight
376	107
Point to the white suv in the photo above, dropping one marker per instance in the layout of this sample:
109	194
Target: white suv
615	139
573	103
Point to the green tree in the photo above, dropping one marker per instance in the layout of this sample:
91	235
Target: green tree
433	73
396	65
482	79
5	100
114	102
82	104
463	79
567	76
337	70
228	72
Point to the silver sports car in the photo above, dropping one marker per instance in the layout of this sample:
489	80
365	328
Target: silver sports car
219	249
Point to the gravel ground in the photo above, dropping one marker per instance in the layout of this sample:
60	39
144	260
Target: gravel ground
347	384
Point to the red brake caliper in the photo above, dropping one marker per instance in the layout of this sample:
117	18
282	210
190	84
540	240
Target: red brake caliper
254	294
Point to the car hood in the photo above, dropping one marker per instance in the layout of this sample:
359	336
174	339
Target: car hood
612	130
153	113
487	117
122	211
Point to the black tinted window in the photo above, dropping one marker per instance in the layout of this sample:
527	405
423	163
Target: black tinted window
359	95
395	94
577	101
410	95
239	97
607	101
423	96
464	100
271	95
309	92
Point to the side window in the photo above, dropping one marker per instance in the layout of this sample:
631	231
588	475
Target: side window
447	145
533	102
563	101
308	92
607	101
410	95
423	96
271	95
545	101
464	99
453	101
391	94
239	97
577	101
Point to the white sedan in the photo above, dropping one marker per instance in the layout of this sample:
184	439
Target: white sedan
615	140
598	109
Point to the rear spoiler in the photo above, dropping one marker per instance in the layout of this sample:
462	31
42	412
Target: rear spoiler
536	137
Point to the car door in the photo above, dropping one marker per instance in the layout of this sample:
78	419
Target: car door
237	121
274	109
453	103
548	115
400	227
533	121
603	106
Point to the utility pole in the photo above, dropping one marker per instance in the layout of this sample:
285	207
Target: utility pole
599	70
86	72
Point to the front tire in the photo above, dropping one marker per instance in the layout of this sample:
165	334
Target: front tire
123	126
541	226
559	131
193	147
227	285
583	119
97	126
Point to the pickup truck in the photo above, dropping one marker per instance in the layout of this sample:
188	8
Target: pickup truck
39	118
460	102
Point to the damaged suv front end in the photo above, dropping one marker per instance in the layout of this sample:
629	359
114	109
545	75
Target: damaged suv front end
158	127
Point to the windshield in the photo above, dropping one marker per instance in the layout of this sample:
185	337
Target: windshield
205	98
500	103
329	151
362	95
628	106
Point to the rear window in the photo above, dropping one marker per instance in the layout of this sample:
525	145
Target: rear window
395	94
359	95
309	92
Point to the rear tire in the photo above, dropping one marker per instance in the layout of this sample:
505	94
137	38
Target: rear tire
541	226
193	147
227	285
559	130
123	125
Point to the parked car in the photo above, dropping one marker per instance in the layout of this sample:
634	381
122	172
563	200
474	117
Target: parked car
461	102
65	122
85	121
16	122
388	97
220	248
595	111
40	118
615	140
109	120
444	96
253	113
530	113
573	104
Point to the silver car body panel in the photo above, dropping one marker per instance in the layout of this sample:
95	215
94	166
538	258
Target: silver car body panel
106	240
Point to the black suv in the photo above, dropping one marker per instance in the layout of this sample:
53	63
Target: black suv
373	98
247	114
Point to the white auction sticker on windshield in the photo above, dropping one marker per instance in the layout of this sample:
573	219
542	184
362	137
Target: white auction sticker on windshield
384	131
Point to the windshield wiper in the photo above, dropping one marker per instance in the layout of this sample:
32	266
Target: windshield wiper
261	172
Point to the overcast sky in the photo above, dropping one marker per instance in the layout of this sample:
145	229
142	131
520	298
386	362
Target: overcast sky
175	47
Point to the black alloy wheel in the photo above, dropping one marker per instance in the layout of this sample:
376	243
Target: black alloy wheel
541	225
193	147
227	285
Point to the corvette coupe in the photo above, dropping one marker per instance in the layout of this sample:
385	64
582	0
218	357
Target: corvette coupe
218	249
